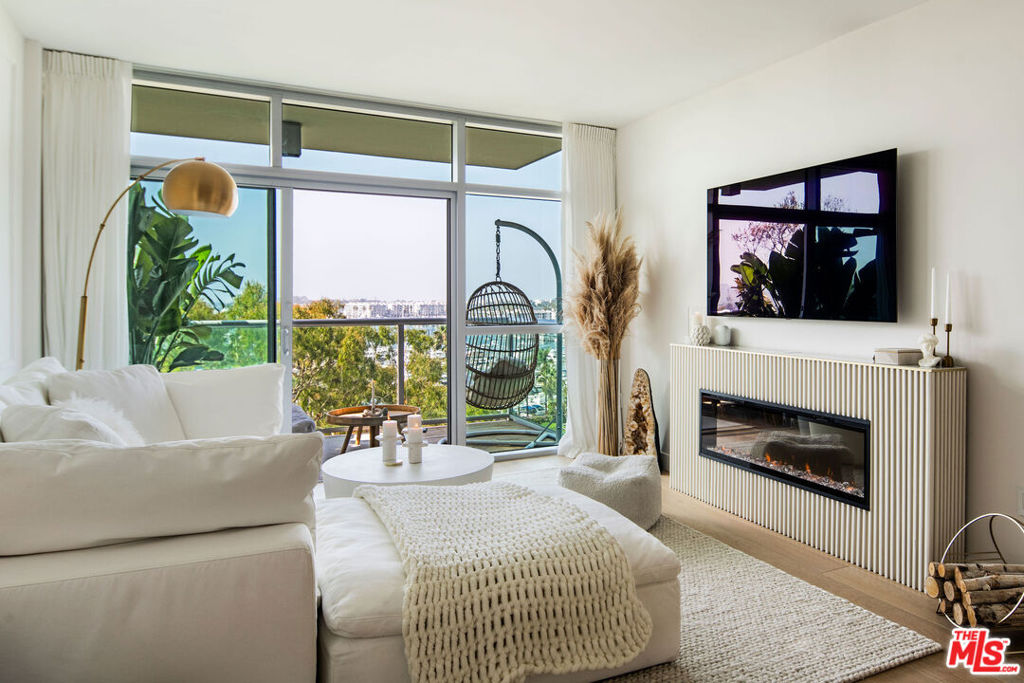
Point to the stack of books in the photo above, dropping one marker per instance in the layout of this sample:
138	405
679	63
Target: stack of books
897	356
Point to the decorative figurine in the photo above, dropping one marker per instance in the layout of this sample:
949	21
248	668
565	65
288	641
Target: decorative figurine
928	343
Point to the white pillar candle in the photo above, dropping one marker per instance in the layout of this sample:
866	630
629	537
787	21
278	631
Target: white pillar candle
949	304
414	435
390	428
415	421
932	289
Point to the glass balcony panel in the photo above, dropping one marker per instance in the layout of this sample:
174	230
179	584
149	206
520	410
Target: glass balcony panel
536	421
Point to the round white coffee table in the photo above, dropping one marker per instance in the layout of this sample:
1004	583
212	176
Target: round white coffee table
442	465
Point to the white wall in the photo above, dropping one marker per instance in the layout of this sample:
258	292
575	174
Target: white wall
11	54
941	82
19	197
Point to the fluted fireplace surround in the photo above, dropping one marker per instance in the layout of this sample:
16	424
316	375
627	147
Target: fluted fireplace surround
862	461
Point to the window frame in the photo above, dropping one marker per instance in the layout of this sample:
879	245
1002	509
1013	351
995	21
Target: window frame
285	180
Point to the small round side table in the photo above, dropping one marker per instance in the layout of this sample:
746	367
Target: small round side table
353	418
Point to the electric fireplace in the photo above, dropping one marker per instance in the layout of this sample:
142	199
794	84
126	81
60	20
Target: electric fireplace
821	452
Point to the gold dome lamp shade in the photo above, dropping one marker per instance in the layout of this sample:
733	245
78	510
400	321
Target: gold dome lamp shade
195	187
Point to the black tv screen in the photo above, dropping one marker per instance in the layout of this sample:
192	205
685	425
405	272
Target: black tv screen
818	243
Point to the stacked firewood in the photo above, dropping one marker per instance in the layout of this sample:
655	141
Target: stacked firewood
977	594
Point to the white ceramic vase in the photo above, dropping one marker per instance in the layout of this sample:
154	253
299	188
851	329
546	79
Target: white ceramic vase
700	333
722	335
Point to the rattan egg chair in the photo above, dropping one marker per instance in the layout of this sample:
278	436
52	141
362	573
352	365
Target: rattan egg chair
499	367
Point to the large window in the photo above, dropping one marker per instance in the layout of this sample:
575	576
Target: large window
362	231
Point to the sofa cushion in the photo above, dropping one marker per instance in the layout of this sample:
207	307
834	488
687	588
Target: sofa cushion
39	423
136	390
360	572
28	385
62	495
101	410
235	402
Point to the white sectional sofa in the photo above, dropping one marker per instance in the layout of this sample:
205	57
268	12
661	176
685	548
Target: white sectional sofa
361	585
177	548
158	528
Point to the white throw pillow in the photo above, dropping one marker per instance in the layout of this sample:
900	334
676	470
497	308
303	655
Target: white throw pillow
28	385
235	402
41	423
63	495
137	391
108	415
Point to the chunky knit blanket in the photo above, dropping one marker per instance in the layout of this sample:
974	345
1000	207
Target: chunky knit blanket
502	582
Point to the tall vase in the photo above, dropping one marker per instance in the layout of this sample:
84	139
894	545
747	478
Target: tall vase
608	407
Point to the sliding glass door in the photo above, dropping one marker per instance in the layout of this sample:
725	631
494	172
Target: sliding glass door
369	275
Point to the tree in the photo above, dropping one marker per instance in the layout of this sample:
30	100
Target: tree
425	371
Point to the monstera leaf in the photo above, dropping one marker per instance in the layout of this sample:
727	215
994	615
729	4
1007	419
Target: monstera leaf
168	273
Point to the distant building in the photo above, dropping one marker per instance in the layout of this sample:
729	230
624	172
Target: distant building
364	308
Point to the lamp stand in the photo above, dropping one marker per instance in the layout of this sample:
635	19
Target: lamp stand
84	305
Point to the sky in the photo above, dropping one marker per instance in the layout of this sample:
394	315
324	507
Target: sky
352	246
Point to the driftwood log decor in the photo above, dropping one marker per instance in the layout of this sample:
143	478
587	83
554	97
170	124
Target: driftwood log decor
640	433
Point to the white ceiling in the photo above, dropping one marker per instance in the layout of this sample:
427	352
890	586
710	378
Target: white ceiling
595	61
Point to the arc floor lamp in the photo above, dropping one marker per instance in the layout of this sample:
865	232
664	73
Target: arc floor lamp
195	187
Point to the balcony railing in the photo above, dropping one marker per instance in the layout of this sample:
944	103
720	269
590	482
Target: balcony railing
400	323
481	433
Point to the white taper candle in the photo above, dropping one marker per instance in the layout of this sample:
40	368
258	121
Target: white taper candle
949	304
932	289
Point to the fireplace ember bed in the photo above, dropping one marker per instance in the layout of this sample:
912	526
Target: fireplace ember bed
824	453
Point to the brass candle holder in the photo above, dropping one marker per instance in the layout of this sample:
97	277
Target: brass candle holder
935	322
947	360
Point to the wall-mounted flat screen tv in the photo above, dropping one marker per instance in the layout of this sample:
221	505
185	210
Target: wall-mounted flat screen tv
818	243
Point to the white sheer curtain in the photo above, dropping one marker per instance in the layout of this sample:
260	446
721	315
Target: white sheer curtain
588	183
86	163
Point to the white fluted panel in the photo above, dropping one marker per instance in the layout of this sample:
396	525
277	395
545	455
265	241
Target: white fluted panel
916	467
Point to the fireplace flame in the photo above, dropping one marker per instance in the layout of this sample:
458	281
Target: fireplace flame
807	468
768	457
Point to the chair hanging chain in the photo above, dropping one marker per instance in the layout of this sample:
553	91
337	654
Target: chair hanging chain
497	251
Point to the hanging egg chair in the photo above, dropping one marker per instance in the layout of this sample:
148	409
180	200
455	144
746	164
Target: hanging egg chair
499	367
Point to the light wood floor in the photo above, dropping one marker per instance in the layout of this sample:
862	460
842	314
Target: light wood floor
877	594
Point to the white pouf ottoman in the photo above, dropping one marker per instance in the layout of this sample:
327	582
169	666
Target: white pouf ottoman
628	484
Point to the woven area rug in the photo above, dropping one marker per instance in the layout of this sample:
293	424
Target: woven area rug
745	620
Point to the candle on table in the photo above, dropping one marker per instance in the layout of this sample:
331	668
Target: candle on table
949	304
390	429
932	307
415	421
